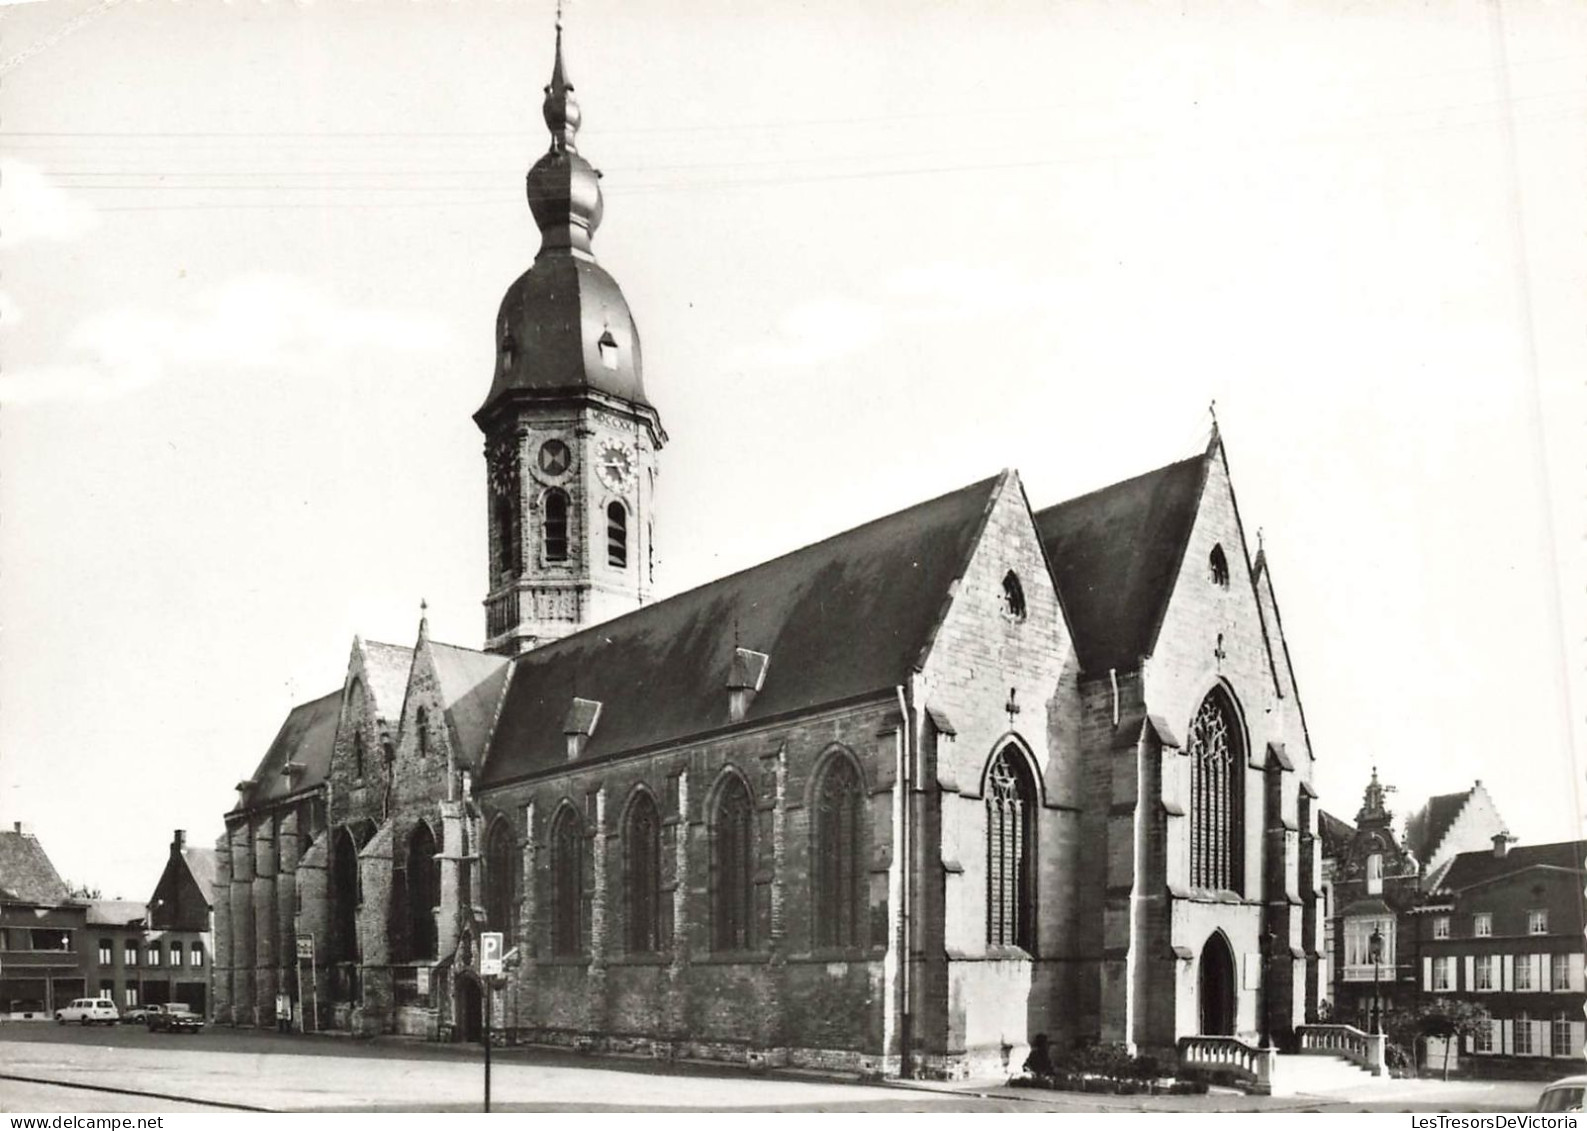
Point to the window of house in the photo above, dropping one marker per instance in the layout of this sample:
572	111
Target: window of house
1482	924
1483	973
503	881
424	892
176	954
1441	927
617	535
1523	973
1375	874
129	994
839	905
154	954
107	989
1217	796
567	883
1359	963
555	532
1560	972
1561	1035
1521	1036
1013	596
195	954
107	952
50	939
130	954
1482	1040
1010	852
1537	922
1218	567
642	855
733	868
1443	974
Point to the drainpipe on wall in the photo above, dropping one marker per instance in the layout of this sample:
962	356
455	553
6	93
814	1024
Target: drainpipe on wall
902	810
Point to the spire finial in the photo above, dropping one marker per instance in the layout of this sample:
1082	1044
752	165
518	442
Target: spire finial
424	619
560	110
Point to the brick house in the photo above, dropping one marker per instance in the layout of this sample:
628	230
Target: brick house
42	931
896	801
1504	929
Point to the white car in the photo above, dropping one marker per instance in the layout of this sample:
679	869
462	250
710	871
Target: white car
88	1011
1563	1095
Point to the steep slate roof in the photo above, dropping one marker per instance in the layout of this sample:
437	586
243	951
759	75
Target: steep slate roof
26	874
840	619
1472	868
201	865
386	668
1115	555
1425	828
114	912
307	737
1336	834
471	683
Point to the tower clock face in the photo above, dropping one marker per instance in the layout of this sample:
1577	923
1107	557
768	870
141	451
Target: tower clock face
553	457
615	464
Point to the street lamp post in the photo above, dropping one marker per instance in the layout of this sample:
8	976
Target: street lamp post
1376	943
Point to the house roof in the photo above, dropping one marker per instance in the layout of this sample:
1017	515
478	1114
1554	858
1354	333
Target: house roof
843	618
26	874
1115	554
307	738
1336	834
201	865
1472	868
115	912
386	668
470	683
1425	828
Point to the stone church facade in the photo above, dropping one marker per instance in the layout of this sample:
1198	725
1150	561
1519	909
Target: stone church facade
895	802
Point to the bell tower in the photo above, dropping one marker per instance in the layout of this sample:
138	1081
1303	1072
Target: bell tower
570	437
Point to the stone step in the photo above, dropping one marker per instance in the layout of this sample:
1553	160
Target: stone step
1318	1074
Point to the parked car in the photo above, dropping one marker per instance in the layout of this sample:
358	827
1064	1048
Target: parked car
89	1011
138	1014
1563	1095
175	1018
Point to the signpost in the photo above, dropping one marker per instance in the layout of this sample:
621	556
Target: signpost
490	944
306	950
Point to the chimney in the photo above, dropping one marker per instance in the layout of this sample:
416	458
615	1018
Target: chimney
1501	844
744	680
24	829
178	842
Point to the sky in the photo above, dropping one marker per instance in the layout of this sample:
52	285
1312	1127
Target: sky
251	254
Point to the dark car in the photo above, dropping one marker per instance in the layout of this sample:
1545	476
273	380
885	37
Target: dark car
175	1018
138	1014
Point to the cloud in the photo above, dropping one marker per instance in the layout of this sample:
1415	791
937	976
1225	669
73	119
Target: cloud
32	208
255	322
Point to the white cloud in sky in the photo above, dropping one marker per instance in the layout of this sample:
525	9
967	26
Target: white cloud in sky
273	322
32	208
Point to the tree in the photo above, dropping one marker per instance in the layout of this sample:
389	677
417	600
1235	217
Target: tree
82	891
1450	1019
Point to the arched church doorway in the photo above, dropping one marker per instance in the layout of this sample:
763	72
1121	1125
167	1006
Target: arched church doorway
1216	984
470	1011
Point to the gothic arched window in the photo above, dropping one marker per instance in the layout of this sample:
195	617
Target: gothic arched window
617	535
421	723
1013	596
1218	567
567	884
1217	796
502	881
507	549
642	849
733	868
344	898
355	720
837	853
556	526
1010	852
424	892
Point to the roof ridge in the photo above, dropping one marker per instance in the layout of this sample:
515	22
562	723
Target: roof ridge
1121	483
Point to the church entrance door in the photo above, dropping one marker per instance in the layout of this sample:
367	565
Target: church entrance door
470	1011
1216	977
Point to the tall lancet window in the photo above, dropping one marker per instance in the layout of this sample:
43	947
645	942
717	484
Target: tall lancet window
642	857
733	868
1217	796
839	870
1010	852
424	892
556	526
567	884
501	881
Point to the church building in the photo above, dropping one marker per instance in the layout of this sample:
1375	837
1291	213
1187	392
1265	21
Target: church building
895	802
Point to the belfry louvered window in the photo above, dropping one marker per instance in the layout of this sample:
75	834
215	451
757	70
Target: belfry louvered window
617	536
1217	763
567	884
642	849
1010	855
556	526
840	900
733	869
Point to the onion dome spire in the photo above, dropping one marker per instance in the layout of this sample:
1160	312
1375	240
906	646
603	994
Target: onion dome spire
564	189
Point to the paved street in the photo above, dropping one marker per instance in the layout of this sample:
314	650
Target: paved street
129	1069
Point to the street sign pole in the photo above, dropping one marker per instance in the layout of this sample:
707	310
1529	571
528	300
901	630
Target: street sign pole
488	996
